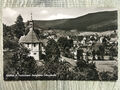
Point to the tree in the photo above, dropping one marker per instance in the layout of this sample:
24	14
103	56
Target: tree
19	28
79	54
88	70
65	45
109	75
51	58
7	32
52	51
22	63
9	41
10	44
63	42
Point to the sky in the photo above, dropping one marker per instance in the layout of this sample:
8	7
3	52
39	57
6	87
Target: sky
10	14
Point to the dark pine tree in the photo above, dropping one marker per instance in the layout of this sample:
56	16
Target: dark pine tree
19	27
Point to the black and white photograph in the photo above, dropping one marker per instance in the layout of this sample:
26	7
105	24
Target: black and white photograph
41	43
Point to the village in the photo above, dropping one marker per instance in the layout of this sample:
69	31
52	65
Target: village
93	47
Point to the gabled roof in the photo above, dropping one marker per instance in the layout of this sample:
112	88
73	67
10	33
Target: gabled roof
31	37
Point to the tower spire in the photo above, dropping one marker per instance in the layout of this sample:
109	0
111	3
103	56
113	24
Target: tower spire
31	16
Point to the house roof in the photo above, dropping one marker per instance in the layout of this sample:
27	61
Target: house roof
31	37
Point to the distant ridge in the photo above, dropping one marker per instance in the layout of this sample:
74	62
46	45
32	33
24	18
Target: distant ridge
95	22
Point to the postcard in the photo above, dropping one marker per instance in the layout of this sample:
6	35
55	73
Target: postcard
60	44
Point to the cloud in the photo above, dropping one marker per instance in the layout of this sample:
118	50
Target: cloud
9	16
59	16
10	12
44	12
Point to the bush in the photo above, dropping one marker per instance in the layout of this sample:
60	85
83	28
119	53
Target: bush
19	62
107	76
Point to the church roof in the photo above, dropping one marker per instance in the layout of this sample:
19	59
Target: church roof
31	37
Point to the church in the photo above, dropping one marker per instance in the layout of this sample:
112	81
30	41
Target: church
32	42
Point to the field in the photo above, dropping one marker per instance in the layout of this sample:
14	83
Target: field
101	65
106	65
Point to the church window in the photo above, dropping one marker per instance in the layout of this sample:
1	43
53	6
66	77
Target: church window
34	45
34	53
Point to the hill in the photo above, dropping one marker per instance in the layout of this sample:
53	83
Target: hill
92	22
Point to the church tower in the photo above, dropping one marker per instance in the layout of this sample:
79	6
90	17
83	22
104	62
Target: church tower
31	41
